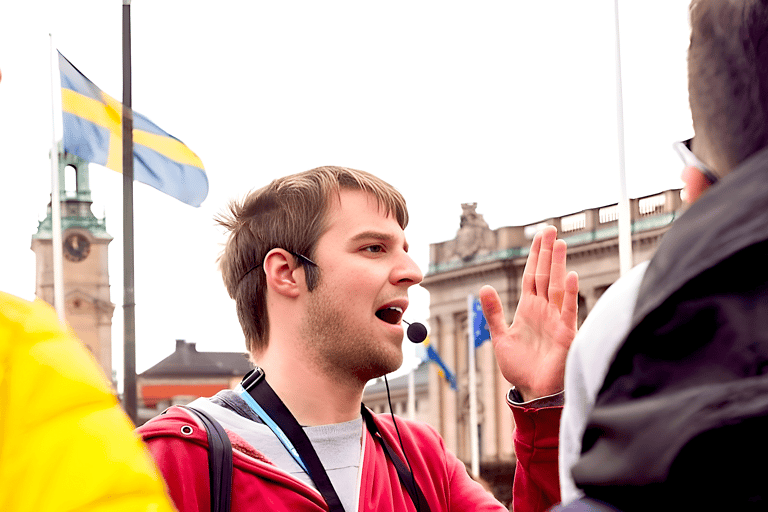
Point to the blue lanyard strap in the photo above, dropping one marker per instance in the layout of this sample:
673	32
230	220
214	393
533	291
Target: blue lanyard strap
253	404
260	397
263	400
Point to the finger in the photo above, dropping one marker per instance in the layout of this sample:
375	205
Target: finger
548	236
493	311
570	311
557	273
529	272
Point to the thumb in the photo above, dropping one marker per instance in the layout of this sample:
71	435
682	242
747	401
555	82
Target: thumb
493	311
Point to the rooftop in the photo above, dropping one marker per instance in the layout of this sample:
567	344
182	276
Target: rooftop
186	361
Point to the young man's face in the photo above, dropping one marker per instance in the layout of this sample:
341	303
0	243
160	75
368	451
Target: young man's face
353	318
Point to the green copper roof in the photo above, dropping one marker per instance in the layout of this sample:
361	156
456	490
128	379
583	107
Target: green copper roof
75	204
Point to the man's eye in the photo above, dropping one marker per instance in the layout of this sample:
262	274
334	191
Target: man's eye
374	248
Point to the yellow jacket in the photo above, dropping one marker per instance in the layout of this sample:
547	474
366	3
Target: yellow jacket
65	443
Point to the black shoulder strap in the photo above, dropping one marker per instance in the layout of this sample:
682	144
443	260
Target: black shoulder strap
276	409
219	461
406	476
266	398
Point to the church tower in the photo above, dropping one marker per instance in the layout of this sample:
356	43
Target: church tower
88	308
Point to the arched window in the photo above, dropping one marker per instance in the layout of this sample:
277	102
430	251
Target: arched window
70	180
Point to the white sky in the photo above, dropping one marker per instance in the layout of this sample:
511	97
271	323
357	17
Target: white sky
506	103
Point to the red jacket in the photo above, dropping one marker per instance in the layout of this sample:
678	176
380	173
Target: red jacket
537	484
259	485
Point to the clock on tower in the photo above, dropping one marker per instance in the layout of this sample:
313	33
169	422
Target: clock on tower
87	304
76	247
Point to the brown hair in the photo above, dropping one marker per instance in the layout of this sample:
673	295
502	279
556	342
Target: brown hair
728	77
289	213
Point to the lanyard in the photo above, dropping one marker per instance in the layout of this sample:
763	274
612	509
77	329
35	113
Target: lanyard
254	405
263	400
268	406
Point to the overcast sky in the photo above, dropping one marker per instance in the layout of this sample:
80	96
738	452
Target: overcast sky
509	104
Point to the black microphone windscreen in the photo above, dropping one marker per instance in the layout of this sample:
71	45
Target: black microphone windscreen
417	332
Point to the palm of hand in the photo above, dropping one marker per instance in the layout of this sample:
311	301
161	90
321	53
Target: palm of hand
531	352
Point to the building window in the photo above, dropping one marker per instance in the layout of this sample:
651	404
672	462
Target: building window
70	181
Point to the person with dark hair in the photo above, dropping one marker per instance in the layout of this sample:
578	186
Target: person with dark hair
318	266
666	390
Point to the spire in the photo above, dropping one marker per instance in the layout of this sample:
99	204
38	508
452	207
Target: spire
75	194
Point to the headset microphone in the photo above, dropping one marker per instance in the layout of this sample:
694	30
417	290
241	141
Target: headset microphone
416	332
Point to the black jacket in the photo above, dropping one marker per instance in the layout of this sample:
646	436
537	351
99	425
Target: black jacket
682	417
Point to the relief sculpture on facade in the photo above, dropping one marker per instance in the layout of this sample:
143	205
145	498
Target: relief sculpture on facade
473	237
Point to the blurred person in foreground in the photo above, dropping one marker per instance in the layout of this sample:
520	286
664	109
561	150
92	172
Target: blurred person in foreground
318	265
666	395
65	443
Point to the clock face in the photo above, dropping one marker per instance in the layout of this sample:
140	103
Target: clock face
76	247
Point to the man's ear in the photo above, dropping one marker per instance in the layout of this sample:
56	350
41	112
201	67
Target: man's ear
695	185
280	270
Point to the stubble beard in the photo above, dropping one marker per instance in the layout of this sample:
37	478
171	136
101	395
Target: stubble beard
341	349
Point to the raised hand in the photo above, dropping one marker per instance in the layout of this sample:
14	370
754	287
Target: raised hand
531	352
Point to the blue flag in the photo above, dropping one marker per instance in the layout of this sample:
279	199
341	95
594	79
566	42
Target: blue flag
479	324
93	131
444	372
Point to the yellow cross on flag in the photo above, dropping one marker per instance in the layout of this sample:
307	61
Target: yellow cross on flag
93	131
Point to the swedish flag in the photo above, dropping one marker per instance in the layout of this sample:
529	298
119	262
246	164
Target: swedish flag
93	131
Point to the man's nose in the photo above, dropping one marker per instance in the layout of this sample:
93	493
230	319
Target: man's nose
407	272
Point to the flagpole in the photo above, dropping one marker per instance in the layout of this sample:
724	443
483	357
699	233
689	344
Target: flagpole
58	251
129	318
412	394
473	437
625	222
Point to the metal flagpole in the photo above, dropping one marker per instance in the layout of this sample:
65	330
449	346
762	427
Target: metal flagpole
58	256
625	220
129	322
412	394
473	437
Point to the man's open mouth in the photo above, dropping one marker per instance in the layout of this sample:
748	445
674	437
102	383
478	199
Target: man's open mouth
391	315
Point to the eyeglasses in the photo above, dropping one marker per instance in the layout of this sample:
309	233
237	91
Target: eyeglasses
684	150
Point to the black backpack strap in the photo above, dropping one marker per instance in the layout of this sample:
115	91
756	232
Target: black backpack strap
219	461
407	478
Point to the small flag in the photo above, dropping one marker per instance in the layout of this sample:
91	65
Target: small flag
479	324
93	131
444	372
